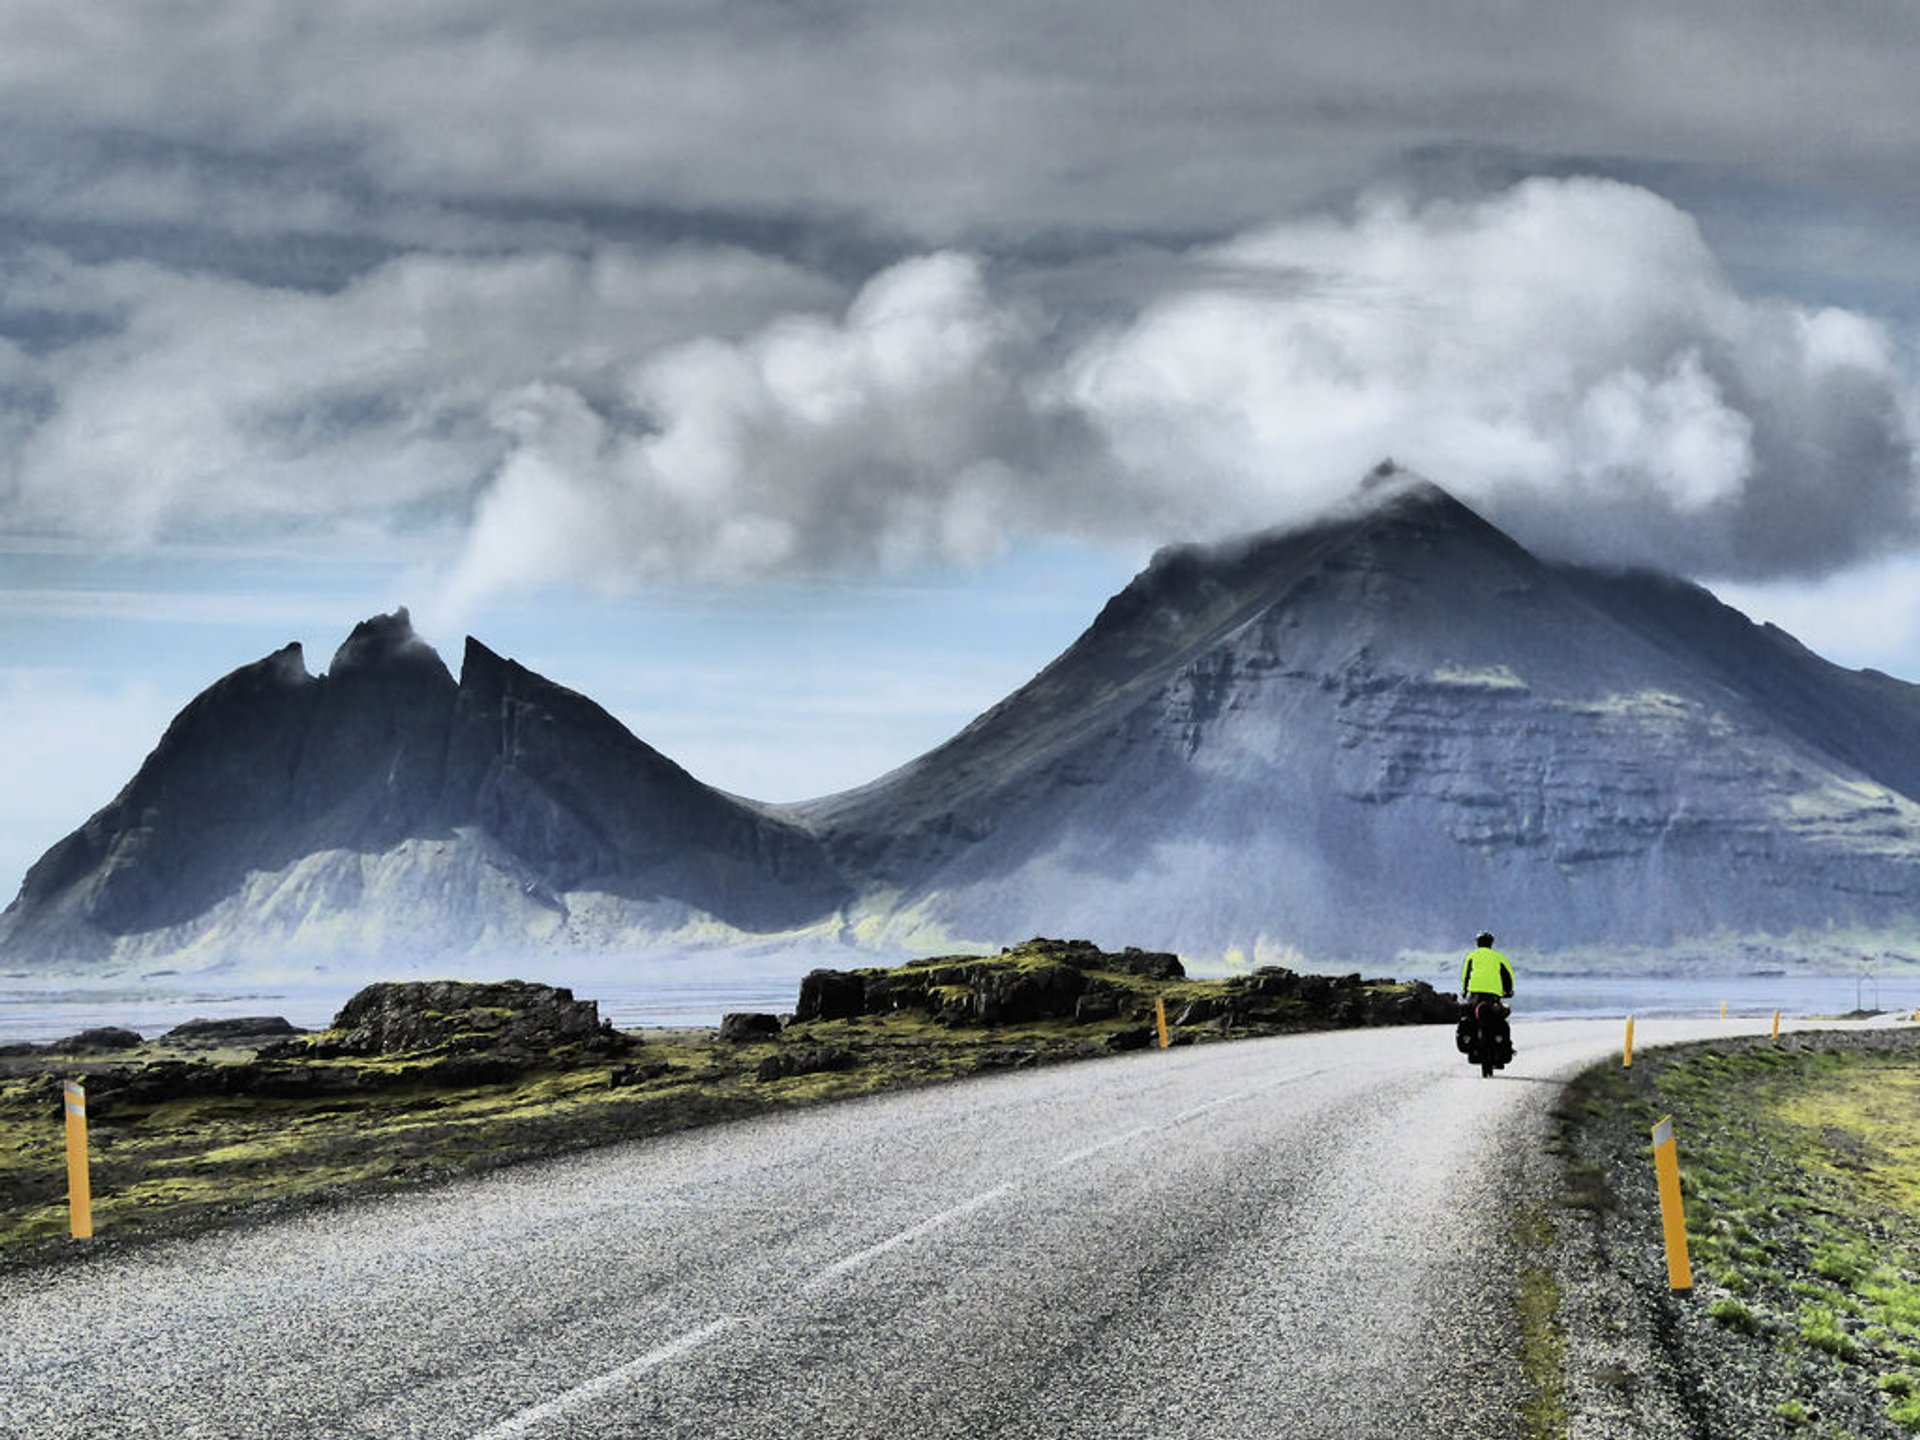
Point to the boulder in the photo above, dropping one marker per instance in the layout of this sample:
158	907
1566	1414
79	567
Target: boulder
1148	964
100	1040
745	1027
238	1030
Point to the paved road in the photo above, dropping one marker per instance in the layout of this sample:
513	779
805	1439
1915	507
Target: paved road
1286	1238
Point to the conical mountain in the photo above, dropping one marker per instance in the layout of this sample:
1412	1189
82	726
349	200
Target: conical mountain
1391	730
384	811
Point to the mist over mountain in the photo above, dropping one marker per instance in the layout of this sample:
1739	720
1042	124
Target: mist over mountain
1328	747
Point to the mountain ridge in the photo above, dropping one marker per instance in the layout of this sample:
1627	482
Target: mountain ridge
1329	745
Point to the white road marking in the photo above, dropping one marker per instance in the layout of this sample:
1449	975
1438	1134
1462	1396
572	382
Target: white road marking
910	1234
526	1420
572	1399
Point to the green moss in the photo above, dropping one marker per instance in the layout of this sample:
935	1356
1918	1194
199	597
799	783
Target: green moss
1904	1405
1735	1316
1820	1328
1543	1342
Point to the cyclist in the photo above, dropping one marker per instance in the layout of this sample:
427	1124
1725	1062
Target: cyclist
1486	979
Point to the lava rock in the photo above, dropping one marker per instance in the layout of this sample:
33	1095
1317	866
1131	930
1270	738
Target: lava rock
1096	1006
235	1031
830	995
1148	964
813	1060
1011	997
508	1017
745	1027
636	1074
101	1040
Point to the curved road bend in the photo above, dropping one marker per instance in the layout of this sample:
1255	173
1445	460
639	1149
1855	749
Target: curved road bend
1297	1237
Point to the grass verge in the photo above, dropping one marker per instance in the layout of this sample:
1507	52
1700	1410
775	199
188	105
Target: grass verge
1800	1170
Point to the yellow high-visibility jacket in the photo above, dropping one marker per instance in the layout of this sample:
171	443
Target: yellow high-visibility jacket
1486	972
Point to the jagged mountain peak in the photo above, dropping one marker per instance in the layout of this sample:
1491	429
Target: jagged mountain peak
384	642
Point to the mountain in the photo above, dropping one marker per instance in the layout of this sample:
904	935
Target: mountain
1394	729
385	809
1328	747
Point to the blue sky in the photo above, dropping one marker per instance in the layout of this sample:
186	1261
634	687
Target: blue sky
796	379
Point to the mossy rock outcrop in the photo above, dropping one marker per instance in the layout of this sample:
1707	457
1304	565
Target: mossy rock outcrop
1075	980
464	1016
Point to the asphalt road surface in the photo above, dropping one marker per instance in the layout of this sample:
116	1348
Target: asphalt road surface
1298	1237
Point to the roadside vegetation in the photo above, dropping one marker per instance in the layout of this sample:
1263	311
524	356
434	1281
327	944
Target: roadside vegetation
414	1084
1800	1171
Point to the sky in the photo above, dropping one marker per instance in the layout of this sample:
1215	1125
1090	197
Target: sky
796	379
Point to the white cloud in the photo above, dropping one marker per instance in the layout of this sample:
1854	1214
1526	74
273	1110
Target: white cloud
895	434
1568	353
213	403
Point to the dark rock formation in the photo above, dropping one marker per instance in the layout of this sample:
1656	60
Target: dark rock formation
804	1060
101	1040
238	1030
1011	997
1148	964
505	1016
744	1027
830	995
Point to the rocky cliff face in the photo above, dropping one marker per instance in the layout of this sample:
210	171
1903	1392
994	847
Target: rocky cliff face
1378	735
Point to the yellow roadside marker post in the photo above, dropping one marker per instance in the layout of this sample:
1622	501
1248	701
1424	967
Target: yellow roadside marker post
79	1186
1626	1056
1723	1009
1160	1019
1776	1024
1673	1218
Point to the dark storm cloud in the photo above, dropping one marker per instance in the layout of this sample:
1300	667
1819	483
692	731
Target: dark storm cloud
958	122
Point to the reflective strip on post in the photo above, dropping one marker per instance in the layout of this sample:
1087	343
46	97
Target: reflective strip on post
79	1186
1673	1218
